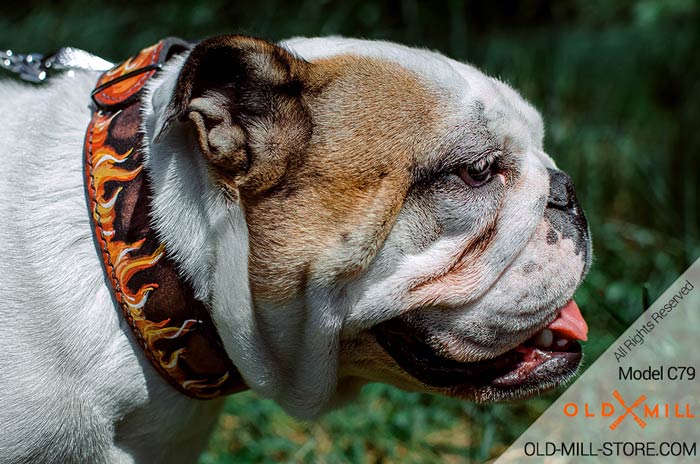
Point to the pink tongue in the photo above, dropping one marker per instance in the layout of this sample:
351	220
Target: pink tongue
570	323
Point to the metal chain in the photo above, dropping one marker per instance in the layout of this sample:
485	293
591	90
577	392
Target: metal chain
27	66
35	67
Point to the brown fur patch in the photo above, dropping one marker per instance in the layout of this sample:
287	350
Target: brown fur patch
331	212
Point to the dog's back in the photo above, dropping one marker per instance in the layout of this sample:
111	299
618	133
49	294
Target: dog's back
73	386
48	279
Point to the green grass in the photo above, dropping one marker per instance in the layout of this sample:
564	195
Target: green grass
617	84
384	425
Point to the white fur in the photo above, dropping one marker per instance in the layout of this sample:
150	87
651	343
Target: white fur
75	386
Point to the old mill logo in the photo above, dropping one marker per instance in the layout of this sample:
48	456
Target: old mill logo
639	410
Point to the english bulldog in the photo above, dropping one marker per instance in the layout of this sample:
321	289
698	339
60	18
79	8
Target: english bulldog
349	211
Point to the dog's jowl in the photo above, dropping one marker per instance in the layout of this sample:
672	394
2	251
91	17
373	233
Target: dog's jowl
297	218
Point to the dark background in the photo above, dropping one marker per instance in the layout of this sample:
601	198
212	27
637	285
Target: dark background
618	84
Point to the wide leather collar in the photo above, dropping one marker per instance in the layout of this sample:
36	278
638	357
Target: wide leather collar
174	329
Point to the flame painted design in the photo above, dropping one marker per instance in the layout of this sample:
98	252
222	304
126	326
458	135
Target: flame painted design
120	91
123	260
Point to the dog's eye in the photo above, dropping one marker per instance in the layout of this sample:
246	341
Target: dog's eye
476	174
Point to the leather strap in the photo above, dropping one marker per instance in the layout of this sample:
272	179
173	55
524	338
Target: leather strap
174	329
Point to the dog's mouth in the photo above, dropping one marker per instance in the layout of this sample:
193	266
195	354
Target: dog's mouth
546	360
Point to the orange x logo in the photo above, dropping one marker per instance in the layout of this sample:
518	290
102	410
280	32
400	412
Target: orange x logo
629	410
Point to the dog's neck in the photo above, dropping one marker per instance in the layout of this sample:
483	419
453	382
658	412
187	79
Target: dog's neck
130	241
206	233
186	208
203	231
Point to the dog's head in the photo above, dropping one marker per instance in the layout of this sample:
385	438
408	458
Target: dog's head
384	214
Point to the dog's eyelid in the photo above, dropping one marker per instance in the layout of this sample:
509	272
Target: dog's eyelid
449	164
474	157
484	158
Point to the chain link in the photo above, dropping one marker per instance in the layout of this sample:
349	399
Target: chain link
28	67
35	67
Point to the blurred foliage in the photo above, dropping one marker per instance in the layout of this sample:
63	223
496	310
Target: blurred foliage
618	84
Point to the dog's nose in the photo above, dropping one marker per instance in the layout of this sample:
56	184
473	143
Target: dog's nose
561	191
562	197
565	213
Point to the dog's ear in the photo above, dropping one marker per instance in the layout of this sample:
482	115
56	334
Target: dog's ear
244	98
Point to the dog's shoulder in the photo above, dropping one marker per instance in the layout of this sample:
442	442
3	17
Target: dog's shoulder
60	333
75	385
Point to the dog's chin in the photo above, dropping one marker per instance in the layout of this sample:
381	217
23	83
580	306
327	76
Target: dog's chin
546	360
